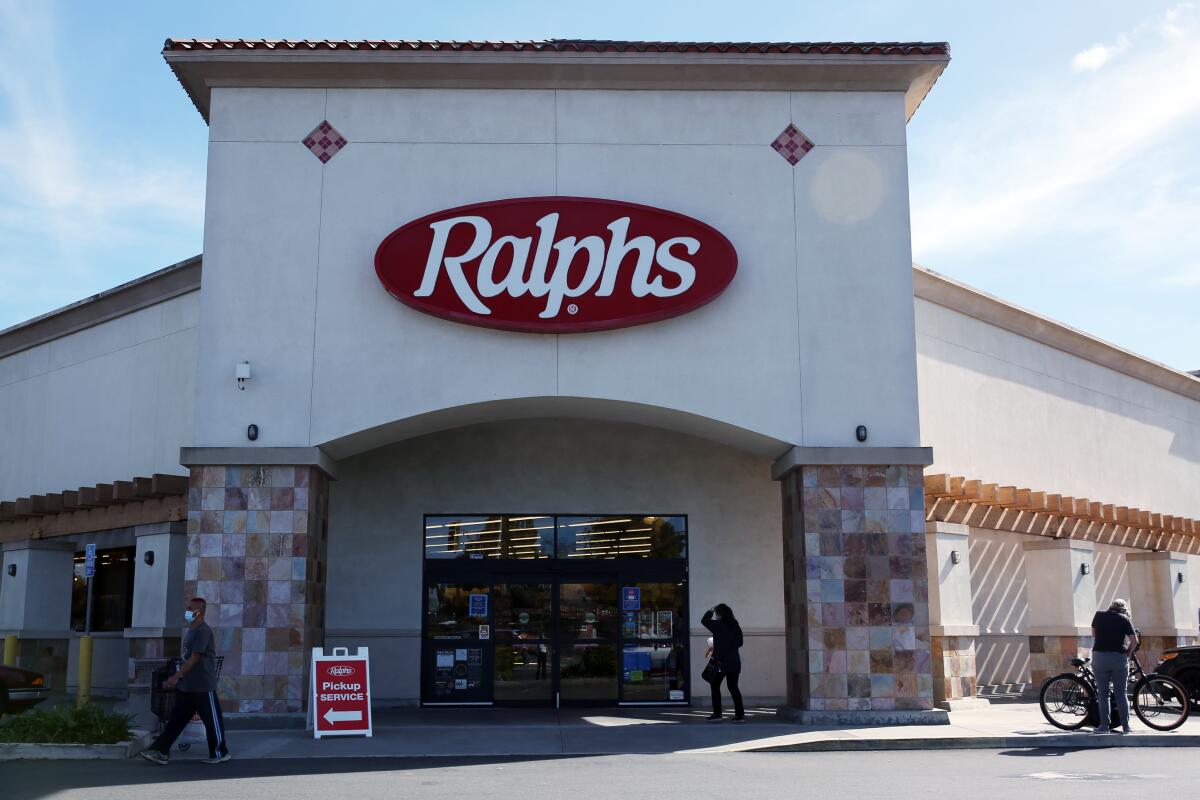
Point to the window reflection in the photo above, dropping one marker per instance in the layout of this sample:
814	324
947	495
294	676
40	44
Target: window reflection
529	537
456	610
622	537
112	590
480	537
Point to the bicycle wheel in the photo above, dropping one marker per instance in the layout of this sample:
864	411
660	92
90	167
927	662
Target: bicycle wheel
1161	702
1065	700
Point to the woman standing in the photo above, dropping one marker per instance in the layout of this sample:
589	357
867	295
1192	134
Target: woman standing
727	638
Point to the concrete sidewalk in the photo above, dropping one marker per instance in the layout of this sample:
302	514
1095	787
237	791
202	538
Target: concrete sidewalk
521	732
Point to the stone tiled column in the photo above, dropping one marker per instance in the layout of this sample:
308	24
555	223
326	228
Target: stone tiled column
1062	602
856	592
1160	603
256	552
951	616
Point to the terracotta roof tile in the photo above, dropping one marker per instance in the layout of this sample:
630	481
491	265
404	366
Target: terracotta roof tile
567	46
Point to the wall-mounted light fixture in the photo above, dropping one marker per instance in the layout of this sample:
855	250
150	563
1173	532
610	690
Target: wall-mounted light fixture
860	433
1178	576
12	570
955	557
252	431
1085	568
148	557
243	374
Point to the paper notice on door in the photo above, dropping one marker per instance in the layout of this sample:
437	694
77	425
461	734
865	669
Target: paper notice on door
445	658
460	655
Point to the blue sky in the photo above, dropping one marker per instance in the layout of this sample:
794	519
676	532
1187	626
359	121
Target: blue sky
1054	164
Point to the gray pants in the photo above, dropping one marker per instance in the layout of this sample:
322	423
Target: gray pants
1112	674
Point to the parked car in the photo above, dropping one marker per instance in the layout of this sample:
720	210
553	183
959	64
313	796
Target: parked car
1183	664
20	689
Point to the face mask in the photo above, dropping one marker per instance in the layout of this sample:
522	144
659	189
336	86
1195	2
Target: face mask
189	615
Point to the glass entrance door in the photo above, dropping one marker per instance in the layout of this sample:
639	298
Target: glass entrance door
588	628
524	649
554	610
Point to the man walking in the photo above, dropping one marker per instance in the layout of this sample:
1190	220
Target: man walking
195	687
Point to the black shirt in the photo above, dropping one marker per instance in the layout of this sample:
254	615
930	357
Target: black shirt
1111	630
727	638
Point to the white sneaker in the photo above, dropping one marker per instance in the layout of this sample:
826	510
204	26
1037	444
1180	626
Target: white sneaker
221	759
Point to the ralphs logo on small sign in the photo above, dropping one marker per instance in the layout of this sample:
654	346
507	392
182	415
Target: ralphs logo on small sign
555	264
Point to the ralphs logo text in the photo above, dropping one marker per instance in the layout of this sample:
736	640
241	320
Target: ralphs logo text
339	671
556	264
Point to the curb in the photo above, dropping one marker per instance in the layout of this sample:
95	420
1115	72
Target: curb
24	751
1053	742
10	751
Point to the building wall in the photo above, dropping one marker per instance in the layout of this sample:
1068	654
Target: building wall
1000	602
795	349
1005	409
105	403
376	523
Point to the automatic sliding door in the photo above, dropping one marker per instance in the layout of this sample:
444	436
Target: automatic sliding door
524	636
588	624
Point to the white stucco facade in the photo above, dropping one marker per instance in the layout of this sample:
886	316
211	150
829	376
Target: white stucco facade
1088	430
791	351
112	399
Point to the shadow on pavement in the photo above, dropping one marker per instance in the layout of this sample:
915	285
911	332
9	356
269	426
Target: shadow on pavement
32	780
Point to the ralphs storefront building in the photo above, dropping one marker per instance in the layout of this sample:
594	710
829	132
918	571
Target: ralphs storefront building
508	360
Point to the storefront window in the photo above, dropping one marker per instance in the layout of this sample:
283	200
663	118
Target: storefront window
479	537
112	591
629	536
652	673
456	610
522	611
529	537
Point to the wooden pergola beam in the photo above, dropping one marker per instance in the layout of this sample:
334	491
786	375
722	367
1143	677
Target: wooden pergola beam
953	498
24	507
165	485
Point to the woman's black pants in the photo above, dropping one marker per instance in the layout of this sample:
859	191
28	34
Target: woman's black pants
732	679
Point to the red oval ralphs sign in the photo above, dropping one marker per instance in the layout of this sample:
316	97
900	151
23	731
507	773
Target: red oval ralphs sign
555	264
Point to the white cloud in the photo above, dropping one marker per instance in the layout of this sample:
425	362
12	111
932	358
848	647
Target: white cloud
1098	55
64	197
1022	166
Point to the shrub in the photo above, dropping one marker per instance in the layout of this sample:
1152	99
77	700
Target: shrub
88	724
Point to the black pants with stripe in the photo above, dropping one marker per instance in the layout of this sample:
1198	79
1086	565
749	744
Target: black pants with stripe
187	704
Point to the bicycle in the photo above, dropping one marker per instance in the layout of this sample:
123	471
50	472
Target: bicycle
1068	700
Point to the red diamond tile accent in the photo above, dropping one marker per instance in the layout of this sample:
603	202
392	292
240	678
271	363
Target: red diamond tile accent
792	144
324	142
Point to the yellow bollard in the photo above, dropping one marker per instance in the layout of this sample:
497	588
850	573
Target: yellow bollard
10	650
83	694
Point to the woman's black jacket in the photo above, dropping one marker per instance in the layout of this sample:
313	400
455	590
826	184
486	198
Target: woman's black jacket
727	638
